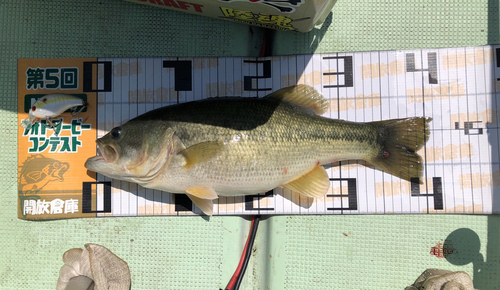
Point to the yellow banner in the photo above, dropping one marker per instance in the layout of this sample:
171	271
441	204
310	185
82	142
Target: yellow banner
52	149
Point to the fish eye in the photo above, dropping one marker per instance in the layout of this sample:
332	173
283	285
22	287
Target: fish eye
33	108
116	132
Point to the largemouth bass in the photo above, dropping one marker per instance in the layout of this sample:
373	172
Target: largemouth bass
241	146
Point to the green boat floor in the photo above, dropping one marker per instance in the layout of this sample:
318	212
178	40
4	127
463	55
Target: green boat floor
291	252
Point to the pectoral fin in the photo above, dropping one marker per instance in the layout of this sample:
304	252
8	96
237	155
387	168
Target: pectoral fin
314	184
201	152
203	198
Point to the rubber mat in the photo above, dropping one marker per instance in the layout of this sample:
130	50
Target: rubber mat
332	252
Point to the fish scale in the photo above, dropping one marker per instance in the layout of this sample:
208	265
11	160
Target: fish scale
293	139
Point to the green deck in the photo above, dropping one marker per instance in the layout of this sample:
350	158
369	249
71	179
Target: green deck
291	252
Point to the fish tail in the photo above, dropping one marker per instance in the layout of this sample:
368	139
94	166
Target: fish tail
400	139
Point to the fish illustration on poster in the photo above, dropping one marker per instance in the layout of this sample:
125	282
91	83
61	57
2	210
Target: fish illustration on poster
37	171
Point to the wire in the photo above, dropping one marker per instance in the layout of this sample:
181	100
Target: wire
234	283
248	253
267	43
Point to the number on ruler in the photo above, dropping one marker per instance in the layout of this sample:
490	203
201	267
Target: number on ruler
346	73
182	202
182	73
468	127
351	194
437	188
91	71
87	196
249	201
266	73
431	66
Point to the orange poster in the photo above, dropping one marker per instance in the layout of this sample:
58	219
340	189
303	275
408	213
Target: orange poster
52	180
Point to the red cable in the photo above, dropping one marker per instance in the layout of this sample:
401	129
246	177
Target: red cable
263	49
237	273
231	283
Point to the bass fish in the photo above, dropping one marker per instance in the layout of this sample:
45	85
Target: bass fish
232	146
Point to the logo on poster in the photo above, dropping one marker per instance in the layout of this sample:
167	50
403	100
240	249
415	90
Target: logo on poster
40	142
64	78
56	206
260	19
283	6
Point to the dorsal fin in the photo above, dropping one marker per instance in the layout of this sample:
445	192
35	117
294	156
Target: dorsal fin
304	96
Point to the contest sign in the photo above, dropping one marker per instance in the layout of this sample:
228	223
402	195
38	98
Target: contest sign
52	150
457	87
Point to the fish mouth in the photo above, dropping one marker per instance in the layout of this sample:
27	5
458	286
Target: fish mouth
59	171
108	153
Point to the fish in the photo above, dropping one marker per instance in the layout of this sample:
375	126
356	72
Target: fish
234	146
52	105
37	171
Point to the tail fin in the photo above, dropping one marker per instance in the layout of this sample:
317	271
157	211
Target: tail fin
400	139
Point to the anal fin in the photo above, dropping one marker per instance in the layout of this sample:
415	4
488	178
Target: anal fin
314	184
203	198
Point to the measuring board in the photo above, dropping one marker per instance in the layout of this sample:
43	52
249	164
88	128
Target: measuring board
457	87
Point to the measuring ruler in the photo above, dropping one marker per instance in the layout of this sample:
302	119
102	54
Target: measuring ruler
457	87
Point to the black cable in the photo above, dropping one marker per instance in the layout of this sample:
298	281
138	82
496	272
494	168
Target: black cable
237	277
266	50
248	253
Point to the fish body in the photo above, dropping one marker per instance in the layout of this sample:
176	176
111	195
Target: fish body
243	146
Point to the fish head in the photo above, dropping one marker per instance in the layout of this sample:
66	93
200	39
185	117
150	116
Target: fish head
57	170
135	151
